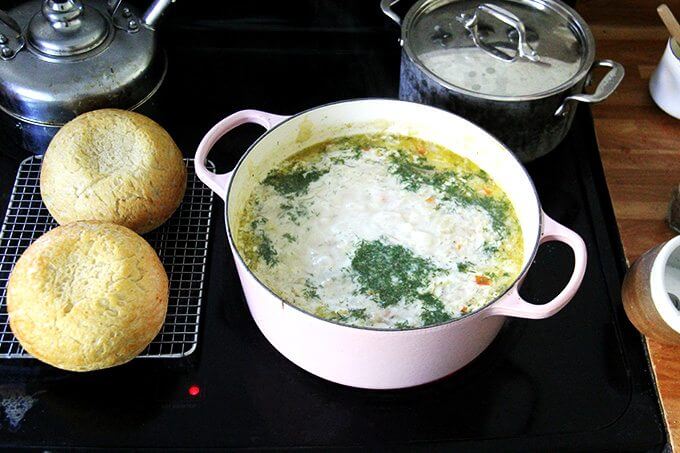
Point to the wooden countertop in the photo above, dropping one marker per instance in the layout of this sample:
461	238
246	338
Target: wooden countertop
640	149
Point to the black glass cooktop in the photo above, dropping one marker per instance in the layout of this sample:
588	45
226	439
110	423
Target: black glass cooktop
577	381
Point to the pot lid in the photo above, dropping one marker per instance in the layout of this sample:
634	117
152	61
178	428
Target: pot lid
66	27
499	49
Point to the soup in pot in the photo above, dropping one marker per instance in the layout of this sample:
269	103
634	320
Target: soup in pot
381	231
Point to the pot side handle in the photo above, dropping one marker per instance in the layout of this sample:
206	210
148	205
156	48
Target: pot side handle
514	305
606	87
219	183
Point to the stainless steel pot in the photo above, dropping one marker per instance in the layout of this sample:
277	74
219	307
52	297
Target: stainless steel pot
514	67
61	58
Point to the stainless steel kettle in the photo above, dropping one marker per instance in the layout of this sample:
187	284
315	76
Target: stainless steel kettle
61	58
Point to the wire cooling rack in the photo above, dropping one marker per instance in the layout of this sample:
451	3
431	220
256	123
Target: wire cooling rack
181	244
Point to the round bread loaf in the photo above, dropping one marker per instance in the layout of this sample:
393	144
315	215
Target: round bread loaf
87	295
114	166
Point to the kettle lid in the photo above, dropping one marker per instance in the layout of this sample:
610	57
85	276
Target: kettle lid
66	28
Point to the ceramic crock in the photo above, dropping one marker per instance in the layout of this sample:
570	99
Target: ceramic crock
517	68
651	292
369	357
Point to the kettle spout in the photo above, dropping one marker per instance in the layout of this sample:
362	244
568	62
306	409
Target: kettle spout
154	12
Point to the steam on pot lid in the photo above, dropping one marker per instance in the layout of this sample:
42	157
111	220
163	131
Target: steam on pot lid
474	46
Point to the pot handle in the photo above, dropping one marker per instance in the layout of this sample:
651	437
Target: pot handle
386	7
219	183
523	50
606	87
514	305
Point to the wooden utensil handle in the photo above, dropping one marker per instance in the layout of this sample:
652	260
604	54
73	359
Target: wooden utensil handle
669	21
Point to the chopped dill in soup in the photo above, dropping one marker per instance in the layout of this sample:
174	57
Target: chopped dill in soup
381	231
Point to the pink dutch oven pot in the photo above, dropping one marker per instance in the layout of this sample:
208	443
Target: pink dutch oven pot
368	357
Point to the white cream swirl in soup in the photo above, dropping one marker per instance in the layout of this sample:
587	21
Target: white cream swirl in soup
381	231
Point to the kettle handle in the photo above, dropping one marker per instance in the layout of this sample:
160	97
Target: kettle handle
154	12
11	45
386	7
112	6
11	23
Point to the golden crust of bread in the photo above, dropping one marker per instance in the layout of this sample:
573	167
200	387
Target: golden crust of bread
87	295
114	166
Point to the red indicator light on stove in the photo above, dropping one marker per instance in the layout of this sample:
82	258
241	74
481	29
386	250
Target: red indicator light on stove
194	390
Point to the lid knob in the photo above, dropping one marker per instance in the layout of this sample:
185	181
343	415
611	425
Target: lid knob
62	13
66	28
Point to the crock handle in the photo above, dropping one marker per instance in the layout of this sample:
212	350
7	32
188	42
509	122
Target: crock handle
606	87
219	183
514	305
386	7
